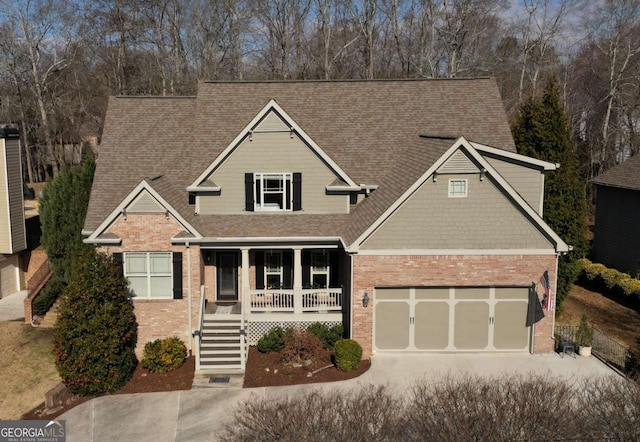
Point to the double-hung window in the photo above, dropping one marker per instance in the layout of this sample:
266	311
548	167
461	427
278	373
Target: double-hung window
149	274
273	272
266	192
320	269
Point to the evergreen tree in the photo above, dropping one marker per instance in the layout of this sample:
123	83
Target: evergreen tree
63	208
95	334
542	131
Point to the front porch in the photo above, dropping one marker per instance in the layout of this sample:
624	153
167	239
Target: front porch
247	291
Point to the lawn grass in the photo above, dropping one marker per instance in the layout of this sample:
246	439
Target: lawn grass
27	369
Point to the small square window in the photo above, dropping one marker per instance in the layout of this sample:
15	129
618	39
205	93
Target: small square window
457	188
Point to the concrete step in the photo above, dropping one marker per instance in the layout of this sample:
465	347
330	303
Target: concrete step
218	378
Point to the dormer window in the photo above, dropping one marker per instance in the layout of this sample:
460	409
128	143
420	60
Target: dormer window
269	192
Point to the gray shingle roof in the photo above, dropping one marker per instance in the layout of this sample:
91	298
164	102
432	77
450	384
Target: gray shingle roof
626	175
371	129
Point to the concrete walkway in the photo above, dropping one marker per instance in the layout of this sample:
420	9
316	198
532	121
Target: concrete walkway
196	415
12	306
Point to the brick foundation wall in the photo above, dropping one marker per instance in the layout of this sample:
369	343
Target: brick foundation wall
483	270
161	318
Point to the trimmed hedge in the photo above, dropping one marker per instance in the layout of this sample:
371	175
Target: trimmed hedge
610	281
163	355
348	354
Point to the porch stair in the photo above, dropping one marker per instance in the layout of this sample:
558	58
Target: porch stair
221	344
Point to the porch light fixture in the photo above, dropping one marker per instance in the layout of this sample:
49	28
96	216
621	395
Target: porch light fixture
365	300
435	176
166	214
124	214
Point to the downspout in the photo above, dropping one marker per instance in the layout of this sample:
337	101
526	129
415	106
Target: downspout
189	306
555	304
351	297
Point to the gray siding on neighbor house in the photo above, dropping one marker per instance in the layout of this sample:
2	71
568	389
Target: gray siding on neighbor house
272	152
527	181
485	219
617	229
13	237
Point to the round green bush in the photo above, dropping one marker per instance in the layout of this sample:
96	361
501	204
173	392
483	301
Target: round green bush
273	340
163	355
348	354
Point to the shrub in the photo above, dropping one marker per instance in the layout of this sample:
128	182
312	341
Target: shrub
612	282
300	346
271	341
47	296
632	362
467	407
584	334
348	354
328	335
95	334
163	355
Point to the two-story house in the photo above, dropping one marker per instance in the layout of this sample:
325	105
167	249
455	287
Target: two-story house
13	237
397	208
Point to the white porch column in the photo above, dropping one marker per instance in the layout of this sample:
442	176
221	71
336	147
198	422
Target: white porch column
297	280
245	275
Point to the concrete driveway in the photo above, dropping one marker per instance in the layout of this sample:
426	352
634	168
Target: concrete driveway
195	415
12	306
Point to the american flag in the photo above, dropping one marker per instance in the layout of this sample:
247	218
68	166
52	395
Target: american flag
546	285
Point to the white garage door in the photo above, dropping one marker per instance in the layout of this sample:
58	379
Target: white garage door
452	319
8	275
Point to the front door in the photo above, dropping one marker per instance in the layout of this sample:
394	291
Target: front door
227	276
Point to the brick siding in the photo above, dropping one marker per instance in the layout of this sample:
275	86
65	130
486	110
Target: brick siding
160	318
372	271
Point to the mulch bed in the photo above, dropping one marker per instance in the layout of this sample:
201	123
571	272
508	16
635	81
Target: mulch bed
268	370
142	381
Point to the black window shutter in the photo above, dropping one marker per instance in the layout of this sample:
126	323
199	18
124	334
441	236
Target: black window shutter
248	192
287	260
297	191
259	269
306	269
177	275
334	268
117	260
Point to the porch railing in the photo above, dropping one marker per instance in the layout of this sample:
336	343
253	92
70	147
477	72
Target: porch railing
305	300
198	335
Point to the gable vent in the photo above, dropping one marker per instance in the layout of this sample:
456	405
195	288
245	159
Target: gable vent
145	203
272	123
458	163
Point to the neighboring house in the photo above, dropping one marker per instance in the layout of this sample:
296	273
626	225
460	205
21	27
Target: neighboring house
13	237
616	240
397	208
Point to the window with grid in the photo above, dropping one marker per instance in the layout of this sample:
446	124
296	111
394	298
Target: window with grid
273	191
149	274
273	276
457	188
320	269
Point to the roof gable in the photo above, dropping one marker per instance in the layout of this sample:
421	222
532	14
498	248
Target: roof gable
146	199
272	118
462	145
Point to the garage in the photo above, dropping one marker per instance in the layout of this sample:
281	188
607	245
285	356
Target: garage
452	319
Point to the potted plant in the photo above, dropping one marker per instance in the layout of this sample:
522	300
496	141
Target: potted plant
584	336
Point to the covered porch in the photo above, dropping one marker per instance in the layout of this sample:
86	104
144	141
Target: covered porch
259	280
